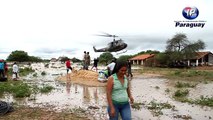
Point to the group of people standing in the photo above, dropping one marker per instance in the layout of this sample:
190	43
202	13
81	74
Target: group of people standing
86	60
4	70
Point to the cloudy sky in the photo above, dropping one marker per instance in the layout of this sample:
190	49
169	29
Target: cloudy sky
53	28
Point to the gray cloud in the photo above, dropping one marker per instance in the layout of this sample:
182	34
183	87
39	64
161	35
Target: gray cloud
145	42
55	51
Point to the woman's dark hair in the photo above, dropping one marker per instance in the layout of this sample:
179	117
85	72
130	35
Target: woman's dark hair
118	65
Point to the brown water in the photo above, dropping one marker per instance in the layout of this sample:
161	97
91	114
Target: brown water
93	99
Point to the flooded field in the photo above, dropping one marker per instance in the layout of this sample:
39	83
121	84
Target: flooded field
153	94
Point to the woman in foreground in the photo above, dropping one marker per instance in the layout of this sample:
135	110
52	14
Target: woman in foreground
118	93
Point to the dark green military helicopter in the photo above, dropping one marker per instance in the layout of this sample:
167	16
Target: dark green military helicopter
114	46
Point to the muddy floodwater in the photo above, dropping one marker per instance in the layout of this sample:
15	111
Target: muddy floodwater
91	101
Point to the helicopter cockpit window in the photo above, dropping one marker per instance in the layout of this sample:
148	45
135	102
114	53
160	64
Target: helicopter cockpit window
110	44
119	42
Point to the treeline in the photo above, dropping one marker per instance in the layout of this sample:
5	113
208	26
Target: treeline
22	56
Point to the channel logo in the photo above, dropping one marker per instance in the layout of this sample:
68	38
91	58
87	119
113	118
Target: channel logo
190	13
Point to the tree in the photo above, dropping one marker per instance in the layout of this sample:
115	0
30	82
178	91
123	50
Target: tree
35	59
19	56
124	57
105	57
180	48
192	48
148	52
162	59
75	60
63	59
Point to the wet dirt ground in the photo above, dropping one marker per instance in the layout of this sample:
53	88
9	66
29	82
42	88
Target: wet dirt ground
91	101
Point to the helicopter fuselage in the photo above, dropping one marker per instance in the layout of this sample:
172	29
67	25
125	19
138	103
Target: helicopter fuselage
114	46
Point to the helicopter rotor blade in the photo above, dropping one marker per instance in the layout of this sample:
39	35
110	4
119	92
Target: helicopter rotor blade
102	35
108	35
114	36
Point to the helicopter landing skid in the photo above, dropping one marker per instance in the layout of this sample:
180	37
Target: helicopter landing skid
121	52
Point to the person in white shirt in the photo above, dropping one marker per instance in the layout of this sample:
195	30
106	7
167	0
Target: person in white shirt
15	71
111	66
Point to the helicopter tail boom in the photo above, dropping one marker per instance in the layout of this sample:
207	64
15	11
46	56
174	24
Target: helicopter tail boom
99	50
95	49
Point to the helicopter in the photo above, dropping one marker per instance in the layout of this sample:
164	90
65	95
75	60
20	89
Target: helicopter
114	46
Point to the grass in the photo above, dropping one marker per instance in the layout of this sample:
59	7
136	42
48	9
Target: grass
192	74
25	71
154	70
46	89
181	93
43	73
22	71
157	107
154	105
35	75
157	87
78	110
180	74
17	89
205	101
167	90
137	105
184	85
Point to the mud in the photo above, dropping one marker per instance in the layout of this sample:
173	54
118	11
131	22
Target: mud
83	77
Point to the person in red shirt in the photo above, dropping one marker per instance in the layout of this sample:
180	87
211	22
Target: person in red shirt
68	65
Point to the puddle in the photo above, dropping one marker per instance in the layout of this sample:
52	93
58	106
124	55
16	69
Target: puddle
93	99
